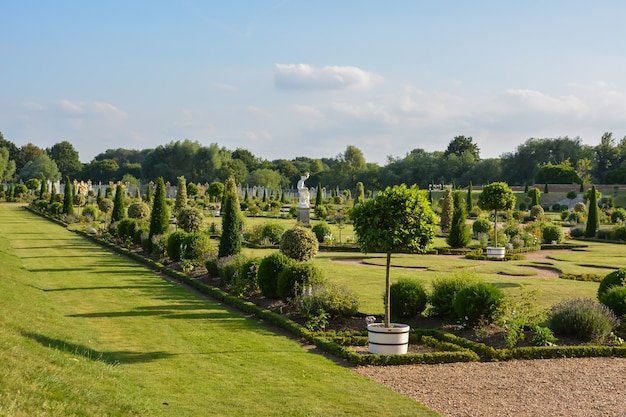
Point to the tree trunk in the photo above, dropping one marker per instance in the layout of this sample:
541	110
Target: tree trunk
387	293
495	228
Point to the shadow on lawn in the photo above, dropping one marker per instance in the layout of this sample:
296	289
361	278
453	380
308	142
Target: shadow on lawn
110	358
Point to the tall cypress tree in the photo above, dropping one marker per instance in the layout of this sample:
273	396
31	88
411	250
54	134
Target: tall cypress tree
119	211
469	203
68	206
360	192
53	193
460	235
593	220
149	194
159	219
446	204
318	197
181	194
42	189
230	242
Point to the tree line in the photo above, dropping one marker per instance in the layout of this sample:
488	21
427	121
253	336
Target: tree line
555	160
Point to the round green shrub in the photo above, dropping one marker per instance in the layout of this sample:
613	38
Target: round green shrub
174	248
295	277
478	301
552	233
105	205
299	243
571	195
481	225
536	212
197	245
269	269
615	299
190	219
577	232
618	214
272	232
442	295
619	233
138	210
613	279
580	207
584	318
126	229
321	230
408	298
91	211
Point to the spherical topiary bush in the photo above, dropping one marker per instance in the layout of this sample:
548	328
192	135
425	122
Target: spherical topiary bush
299	243
587	319
408	298
619	233
571	194
272	232
321	230
197	245
536	212
481	225
190	219
618	215
174	246
442	295
269	269
105	205
138	210
478	301
126	229
580	207
615	299
552	233
296	276
91	211
613	279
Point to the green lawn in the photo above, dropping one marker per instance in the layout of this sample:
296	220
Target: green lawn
85	332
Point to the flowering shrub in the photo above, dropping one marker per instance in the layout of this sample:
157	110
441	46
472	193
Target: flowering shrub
587	319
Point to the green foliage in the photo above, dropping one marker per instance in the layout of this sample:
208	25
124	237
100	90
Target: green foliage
296	277
119	210
299	243
496	196
91	211
269	269
272	232
557	174
613	279
478	302
79	200
159	219
408	298
446	204
336	300
197	245
230	241
321	230
618	215
175	242
360	192
68	207
543	336
552	233
190	219
481	225
571	194
536	213
584	318
469	201
443	291
126	229
105	205
619	233
533	194
615	299
181	194
580	207
139	210
593	219
229	267
460	235
246	282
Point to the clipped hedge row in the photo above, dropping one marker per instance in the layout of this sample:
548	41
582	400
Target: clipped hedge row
582	277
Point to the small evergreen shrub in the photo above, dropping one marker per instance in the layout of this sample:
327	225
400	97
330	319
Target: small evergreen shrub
90	211
553	233
613	279
190	219
272	232
408	298
175	243
138	210
299	243
246	282
618	215
615	299
619	233
336	300
321	230
229	268
481	225
536	212
476	302
571	195
522	206
105	205
269	269
577	232
296	276
197	245
126	229
580	207
443	291
584	318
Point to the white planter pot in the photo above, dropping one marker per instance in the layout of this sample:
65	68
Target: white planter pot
388	340
493	252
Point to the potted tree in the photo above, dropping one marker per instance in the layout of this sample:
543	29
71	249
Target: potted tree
398	219
496	196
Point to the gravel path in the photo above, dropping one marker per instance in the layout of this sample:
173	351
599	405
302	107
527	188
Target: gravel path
558	387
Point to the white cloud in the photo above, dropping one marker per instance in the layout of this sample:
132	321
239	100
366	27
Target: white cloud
307	77
367	111
306	110
537	101
93	108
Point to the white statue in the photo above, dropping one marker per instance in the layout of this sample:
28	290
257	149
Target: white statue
304	192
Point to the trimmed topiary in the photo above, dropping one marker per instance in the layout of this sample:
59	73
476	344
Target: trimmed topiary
478	301
321	230
443	292
138	210
615	299
190	219
175	243
536	212
584	318
552	233
408	298
269	269
295	277
272	232
197	245
481	225
299	243
619	233
126	229
613	279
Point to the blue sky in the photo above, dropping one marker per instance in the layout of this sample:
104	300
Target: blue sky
308	78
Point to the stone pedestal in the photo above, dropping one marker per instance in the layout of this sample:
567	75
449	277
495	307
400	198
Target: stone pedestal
304	216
